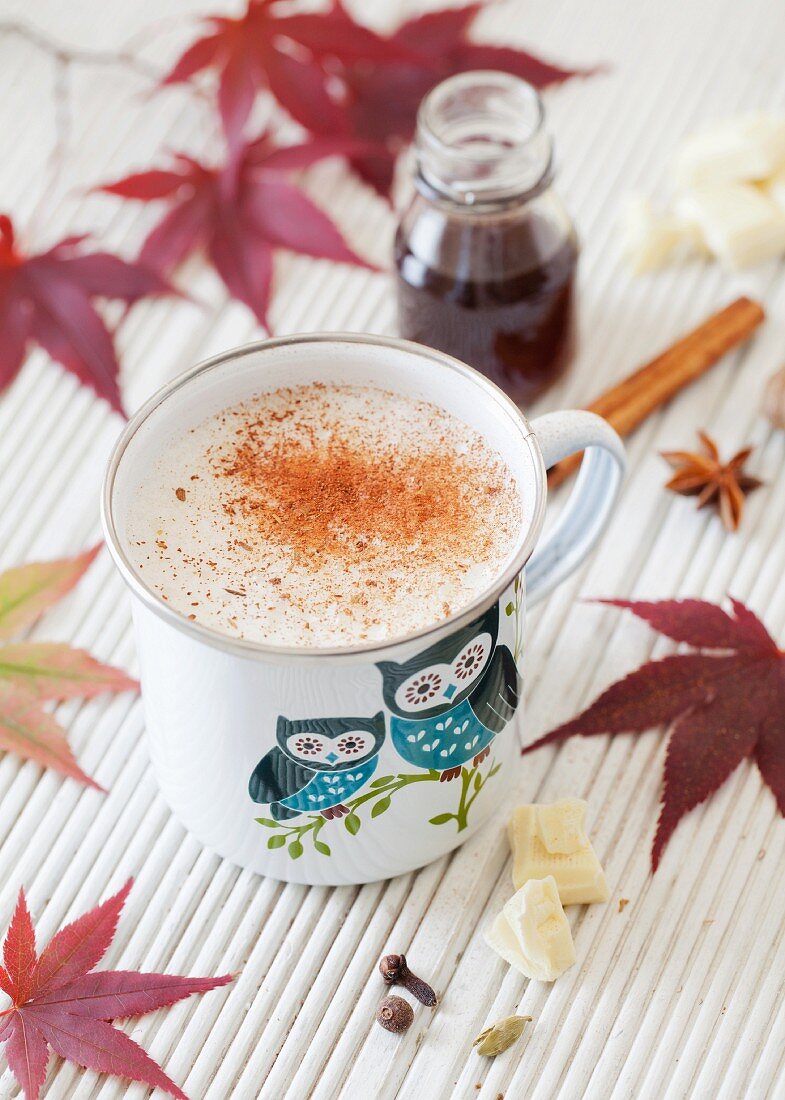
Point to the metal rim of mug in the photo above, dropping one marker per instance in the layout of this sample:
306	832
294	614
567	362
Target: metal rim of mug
243	647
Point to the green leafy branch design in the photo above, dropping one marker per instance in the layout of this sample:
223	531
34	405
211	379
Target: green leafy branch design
515	607
293	835
471	780
379	795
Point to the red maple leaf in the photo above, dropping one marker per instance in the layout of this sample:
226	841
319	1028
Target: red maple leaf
239	213
48	298
339	78
285	52
381	101
722	705
58	1002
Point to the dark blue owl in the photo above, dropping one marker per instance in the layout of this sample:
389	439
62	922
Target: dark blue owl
449	702
317	764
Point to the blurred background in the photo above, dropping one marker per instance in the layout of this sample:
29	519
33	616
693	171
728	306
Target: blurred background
670	65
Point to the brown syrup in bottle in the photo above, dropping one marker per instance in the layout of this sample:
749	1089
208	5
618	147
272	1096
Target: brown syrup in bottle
486	253
505	305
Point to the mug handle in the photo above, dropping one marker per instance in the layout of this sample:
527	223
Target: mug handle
588	510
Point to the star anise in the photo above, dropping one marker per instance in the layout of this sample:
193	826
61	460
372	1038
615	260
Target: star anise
722	484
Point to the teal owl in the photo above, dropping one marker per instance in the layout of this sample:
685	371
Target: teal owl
317	765
450	701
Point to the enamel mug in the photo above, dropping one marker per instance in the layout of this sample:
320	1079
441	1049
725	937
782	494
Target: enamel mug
335	766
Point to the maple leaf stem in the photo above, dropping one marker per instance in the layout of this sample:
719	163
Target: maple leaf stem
63	57
69	55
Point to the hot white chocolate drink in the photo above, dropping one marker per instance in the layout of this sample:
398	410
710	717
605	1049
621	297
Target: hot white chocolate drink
324	515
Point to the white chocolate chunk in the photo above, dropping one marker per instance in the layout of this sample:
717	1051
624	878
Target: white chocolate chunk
775	188
730	178
741	224
537	918
551	840
532	933
742	147
560	826
501	938
650	240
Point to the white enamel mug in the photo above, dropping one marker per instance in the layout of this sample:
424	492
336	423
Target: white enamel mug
334	766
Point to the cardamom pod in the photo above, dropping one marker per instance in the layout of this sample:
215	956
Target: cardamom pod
493	1040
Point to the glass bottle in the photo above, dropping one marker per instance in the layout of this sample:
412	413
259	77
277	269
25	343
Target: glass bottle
486	253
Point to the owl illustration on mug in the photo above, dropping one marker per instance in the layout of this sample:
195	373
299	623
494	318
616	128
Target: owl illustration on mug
317	765
449	702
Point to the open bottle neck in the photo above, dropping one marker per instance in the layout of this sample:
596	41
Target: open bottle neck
481	142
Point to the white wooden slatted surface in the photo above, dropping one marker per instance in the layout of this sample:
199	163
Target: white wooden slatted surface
682	993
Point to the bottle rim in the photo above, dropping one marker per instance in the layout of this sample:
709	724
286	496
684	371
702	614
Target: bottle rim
481	140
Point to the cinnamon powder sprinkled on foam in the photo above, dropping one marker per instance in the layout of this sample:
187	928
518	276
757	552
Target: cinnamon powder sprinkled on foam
334	497
326	515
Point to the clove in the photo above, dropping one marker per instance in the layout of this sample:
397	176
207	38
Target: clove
394	970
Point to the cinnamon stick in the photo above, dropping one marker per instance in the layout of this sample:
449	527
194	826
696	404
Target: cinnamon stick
627	404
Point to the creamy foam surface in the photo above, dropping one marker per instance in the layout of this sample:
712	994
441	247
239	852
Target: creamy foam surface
324	515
